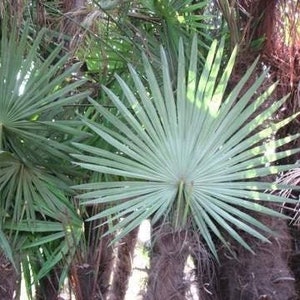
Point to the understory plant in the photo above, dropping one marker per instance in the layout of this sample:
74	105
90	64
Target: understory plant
39	223
191	152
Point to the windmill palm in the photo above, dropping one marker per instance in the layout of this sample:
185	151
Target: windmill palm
118	40
191	153
39	225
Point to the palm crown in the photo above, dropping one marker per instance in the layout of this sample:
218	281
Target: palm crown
187	150
36	213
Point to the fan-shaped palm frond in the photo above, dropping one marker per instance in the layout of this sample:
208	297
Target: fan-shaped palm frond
188	151
40	209
30	89
34	151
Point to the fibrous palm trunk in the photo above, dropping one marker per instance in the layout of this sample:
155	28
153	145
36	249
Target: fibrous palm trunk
48	288
168	258
90	272
264	275
123	266
8	279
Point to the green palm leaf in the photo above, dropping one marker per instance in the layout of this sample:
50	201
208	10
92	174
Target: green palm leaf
31	88
34	203
38	225
192	151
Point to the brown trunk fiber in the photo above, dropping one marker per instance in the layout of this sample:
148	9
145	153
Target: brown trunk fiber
169	255
48	287
295	257
8	279
90	280
123	266
262	276
70	5
205	273
105	270
90	273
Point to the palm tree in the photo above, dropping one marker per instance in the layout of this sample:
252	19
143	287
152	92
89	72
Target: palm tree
121	39
189	163
268	28
110	37
40	226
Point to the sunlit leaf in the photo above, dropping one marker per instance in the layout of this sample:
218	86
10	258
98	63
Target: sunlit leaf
188	151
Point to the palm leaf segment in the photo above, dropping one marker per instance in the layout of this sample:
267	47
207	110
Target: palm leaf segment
192	151
33	92
33	157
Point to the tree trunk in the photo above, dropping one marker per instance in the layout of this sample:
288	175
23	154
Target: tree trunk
168	258
123	266
266	274
295	257
9	280
48	288
90	273
70	5
205	272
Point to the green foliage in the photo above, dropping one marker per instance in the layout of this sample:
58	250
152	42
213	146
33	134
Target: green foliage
35	167
189	151
118	36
